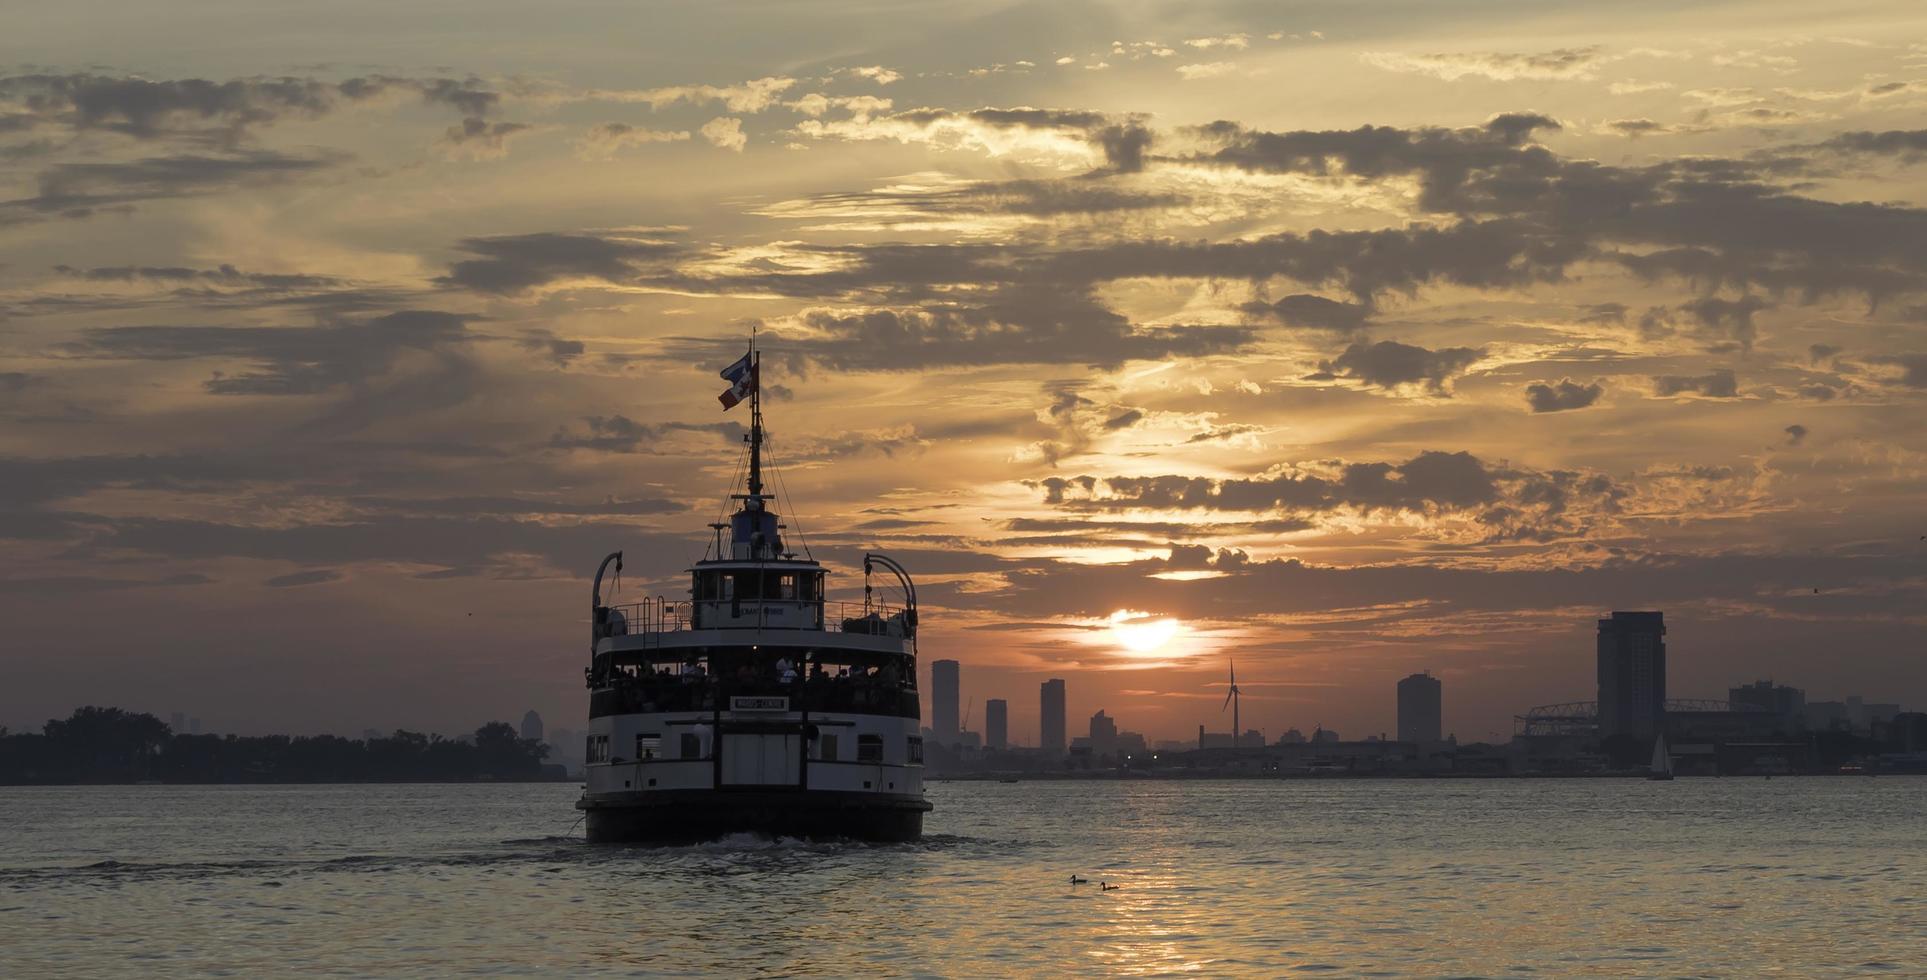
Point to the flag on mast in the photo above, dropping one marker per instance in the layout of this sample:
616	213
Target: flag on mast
742	380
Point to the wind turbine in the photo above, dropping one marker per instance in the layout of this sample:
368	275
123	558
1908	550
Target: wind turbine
1231	701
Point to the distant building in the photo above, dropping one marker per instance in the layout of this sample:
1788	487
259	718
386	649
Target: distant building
1051	720
194	726
997	723
943	701
1789	704
1852	715
1168	745
532	726
1421	715
1103	734
179	723
1292	736
1632	674
1131	744
1321	735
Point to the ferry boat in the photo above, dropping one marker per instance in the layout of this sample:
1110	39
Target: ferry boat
756	704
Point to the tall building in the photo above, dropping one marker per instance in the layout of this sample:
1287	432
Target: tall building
1421	709
997	723
943	701
1103	734
1789	704
532	726
1632	674
1051	720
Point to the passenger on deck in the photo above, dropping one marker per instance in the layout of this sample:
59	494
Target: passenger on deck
785	671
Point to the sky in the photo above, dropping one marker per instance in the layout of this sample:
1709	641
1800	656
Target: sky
338	343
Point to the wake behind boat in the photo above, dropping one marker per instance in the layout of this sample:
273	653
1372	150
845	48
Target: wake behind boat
755	705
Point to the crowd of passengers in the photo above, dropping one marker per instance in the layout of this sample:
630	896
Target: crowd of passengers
691	684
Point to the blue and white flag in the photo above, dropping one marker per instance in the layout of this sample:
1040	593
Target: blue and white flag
742	380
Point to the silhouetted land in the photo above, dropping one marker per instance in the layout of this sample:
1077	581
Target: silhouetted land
108	745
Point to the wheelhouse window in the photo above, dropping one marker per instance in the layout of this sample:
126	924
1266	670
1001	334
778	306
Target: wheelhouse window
869	748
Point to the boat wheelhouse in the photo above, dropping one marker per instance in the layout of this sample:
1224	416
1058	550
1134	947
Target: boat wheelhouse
756	704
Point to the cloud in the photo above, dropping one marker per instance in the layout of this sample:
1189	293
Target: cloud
318	576
875	73
1556	65
1120	140
1913	368
1123	420
604	141
285	360
621	434
1908	144
726	132
479	139
1389	364
1018	325
1235	42
79	190
1718	383
508	265
1211	69
752	96
1564	396
1317	312
1795	434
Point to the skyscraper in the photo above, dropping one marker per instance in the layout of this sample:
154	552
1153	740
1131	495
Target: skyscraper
1103	734
532	726
1420	709
943	701
997	723
1632	674
1051	721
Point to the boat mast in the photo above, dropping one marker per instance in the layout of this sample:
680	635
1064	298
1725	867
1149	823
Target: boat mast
755	424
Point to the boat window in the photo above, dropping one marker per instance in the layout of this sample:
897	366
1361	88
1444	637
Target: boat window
826	747
916	750
810	589
648	746
785	586
692	746
869	748
729	587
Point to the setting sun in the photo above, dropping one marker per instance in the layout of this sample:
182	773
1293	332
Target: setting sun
1140	633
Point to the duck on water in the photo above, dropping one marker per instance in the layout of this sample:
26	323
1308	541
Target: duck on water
755	704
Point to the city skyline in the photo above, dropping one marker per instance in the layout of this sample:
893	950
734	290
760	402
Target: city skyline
1350	344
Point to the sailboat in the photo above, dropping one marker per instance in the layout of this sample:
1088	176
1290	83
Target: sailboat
1662	767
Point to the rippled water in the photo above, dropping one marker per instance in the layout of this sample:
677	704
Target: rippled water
1545	878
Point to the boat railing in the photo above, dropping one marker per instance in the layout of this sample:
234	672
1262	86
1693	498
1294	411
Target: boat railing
660	614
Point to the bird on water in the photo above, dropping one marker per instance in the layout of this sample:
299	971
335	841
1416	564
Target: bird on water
1075	880
1107	886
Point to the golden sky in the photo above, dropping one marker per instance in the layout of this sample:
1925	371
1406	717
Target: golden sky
338	344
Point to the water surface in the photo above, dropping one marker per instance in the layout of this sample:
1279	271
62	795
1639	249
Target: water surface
1556	878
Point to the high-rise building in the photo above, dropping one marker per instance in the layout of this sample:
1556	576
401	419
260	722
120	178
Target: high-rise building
943	701
1103	734
997	723
179	723
1420	709
1051	719
1632	674
532	726
1789	704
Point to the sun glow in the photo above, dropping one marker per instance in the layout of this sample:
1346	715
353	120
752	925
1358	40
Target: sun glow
1140	633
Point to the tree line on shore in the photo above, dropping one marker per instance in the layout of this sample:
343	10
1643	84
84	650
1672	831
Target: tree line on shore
108	745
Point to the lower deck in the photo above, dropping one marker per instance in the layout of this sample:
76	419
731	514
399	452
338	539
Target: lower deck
755	746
